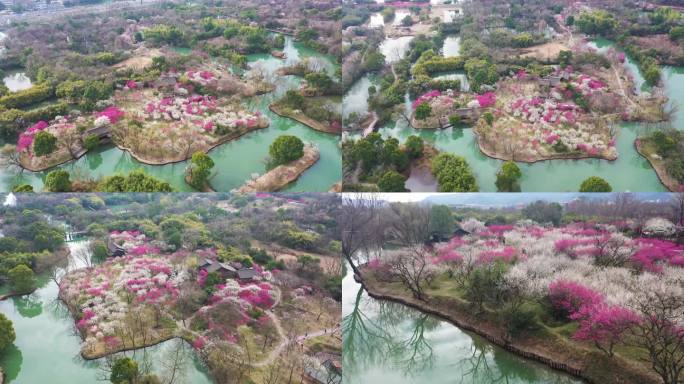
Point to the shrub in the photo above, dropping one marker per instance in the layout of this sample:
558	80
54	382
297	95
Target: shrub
595	184
414	146
201	169
392	181
453	174
423	111
455	120
286	148
489	118
22	188
44	143
91	142
124	371
21	278
675	168
519	319
7	335
507	177
58	181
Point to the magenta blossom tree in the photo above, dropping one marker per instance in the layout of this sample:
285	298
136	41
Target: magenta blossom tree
606	326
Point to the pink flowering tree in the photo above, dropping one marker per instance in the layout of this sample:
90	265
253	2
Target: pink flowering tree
605	326
571	300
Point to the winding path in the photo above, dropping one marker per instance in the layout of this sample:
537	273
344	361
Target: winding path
284	339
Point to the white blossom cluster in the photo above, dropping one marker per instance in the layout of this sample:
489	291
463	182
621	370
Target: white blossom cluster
105	290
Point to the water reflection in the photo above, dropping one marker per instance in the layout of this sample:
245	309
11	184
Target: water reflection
389	343
11	360
28	305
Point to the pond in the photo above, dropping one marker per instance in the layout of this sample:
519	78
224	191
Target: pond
452	46
389	343
235	161
394	49
630	172
47	347
376	20
17	81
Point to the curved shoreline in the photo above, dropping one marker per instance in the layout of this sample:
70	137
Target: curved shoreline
142	160
490	155
309	122
45	168
548	355
662	175
264	183
220	142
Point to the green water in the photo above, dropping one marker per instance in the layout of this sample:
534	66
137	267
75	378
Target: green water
630	172
47	346
235	161
388	343
452	46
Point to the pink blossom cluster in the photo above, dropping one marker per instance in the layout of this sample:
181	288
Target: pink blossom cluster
83	323
426	97
133	241
654	253
112	113
486	100
605	325
587	84
199	343
505	254
26	139
131	84
260	297
202	77
599	322
143	249
571	299
448	256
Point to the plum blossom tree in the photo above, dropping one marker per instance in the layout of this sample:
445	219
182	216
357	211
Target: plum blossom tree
606	326
412	267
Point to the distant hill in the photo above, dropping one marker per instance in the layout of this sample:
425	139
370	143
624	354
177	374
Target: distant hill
506	199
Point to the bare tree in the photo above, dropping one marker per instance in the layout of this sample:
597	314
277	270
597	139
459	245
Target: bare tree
412	268
409	223
660	332
357	221
83	255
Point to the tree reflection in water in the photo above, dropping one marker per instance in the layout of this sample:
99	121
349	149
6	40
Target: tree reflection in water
364	343
368	342
415	354
503	368
28	305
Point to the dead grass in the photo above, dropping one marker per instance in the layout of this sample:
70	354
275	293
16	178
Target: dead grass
545	52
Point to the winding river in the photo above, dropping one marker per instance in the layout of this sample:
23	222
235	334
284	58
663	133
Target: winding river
630	172
47	347
389	343
235	161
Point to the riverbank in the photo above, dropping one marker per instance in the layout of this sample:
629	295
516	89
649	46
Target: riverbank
658	165
303	119
485	150
555	352
205	188
180	157
282	175
42	163
60	255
